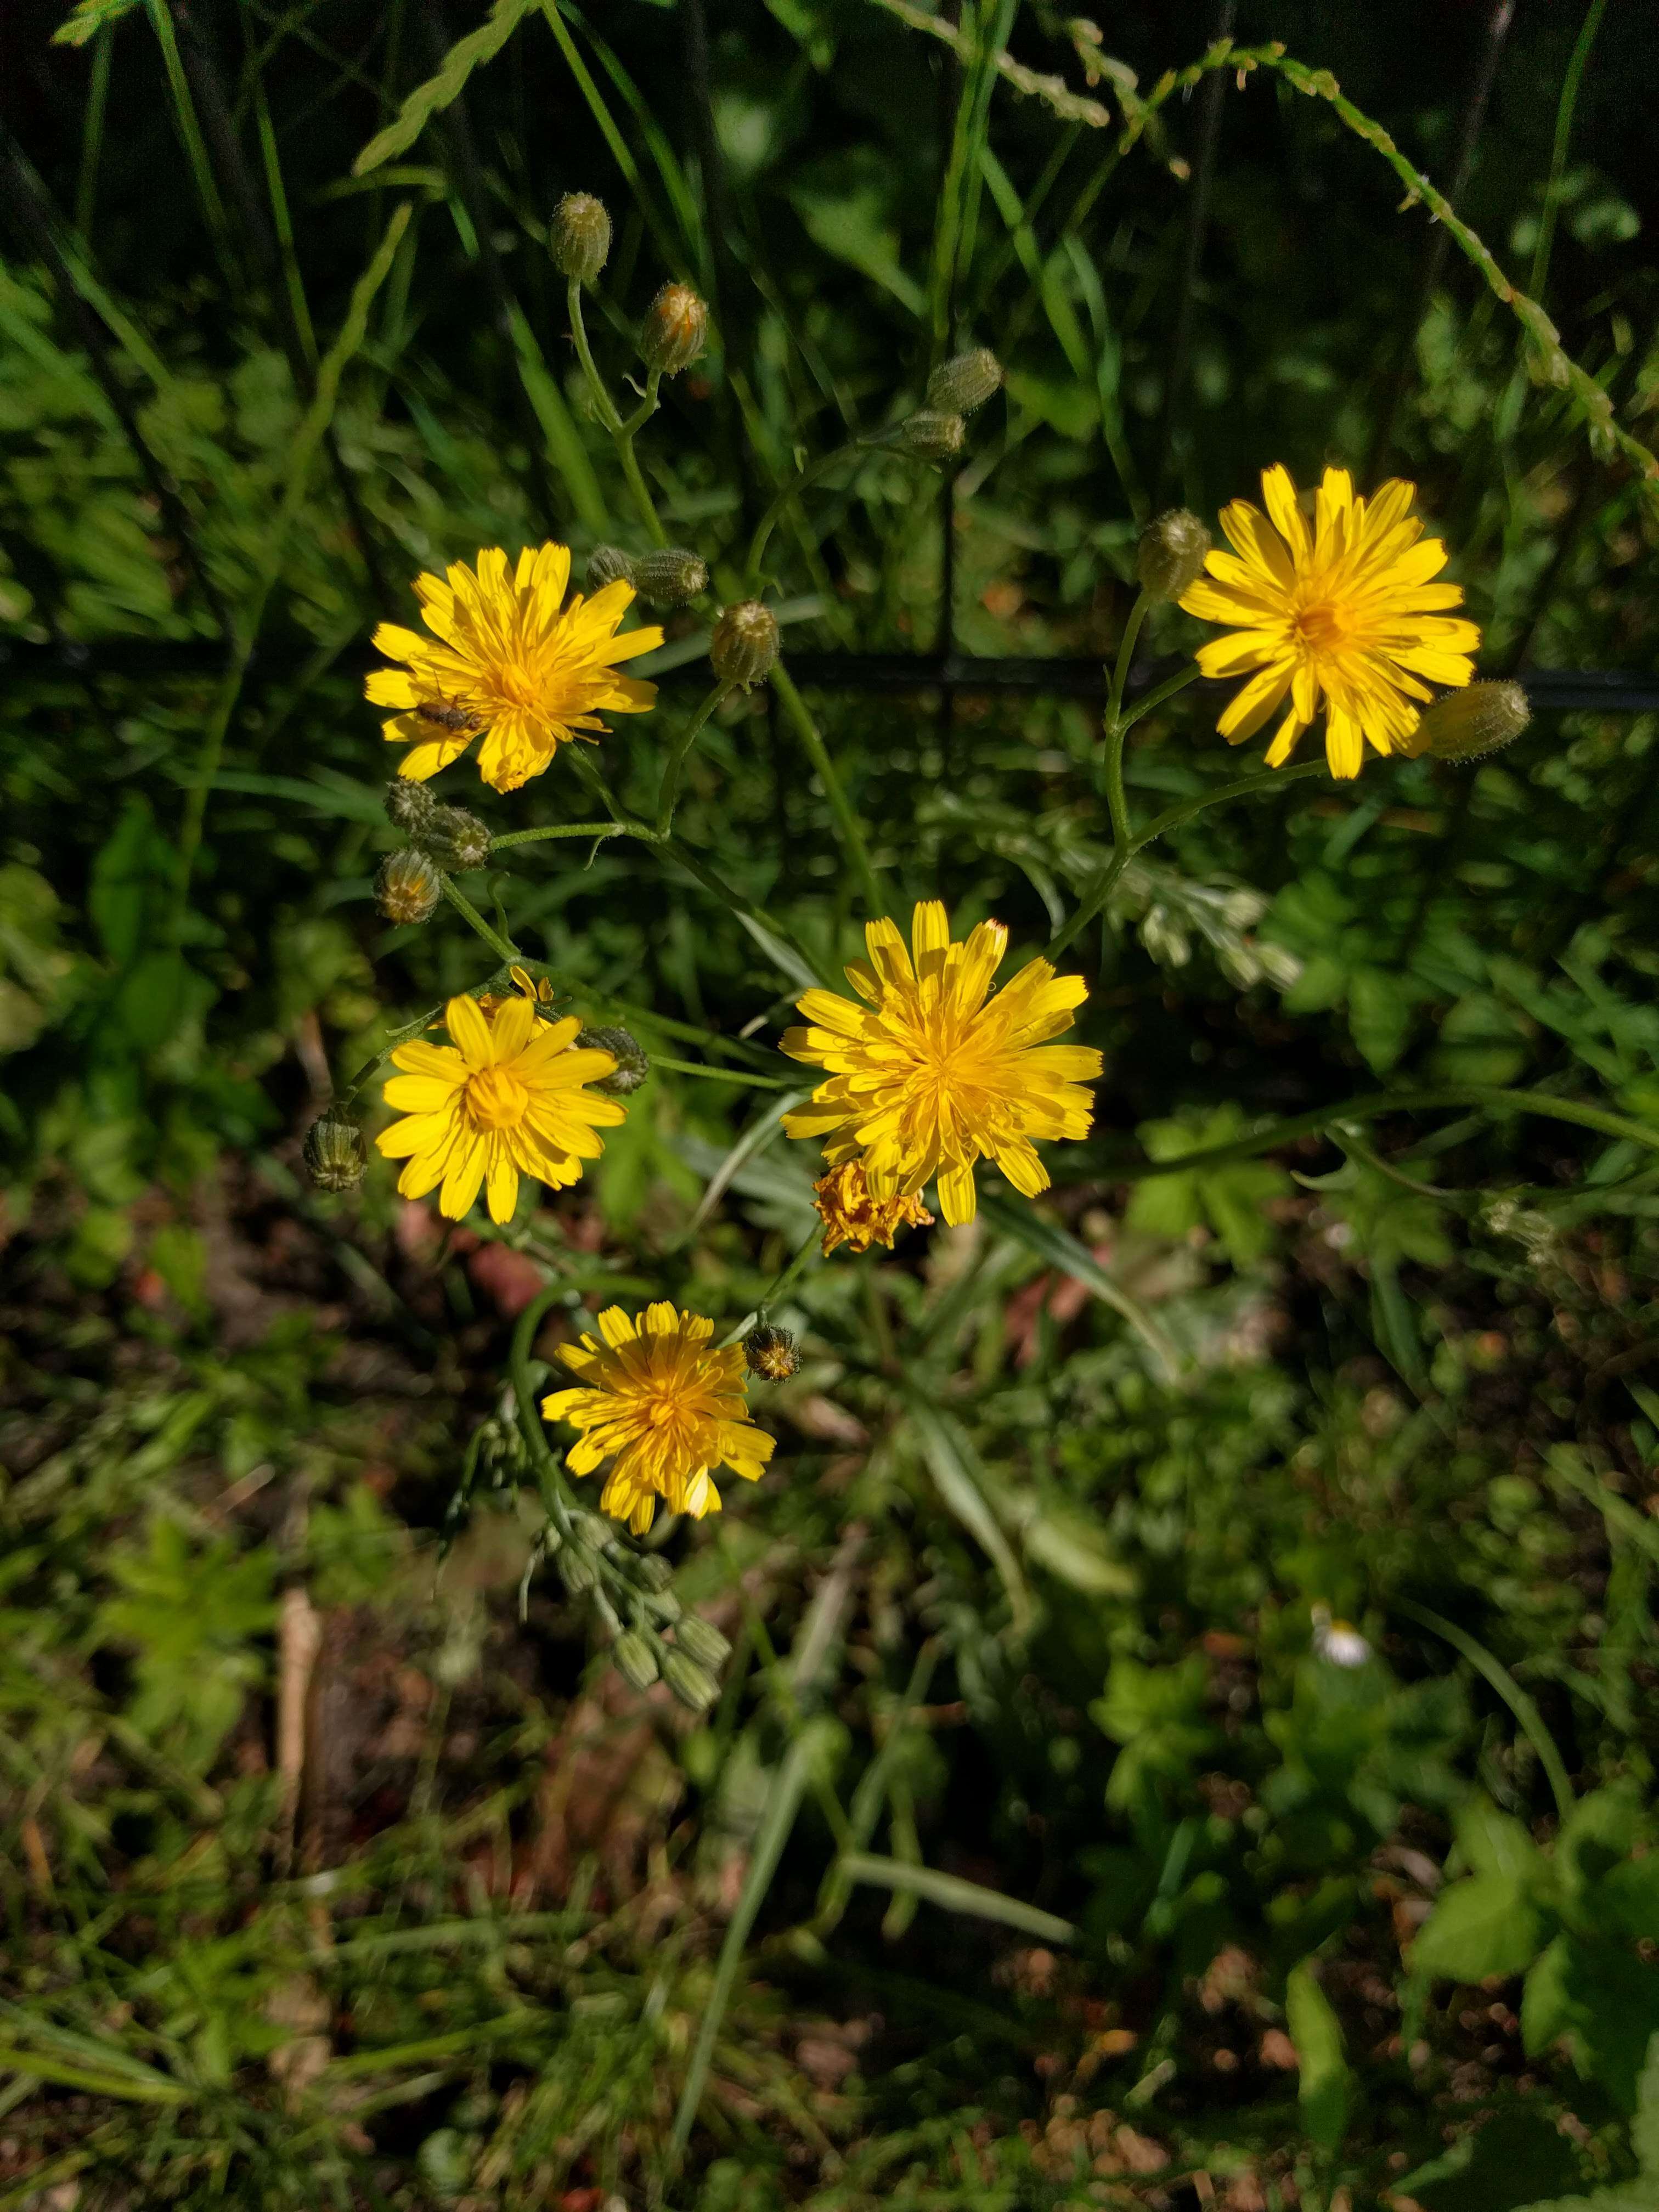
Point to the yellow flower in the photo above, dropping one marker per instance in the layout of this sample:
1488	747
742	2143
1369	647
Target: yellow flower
1343	614
851	1216
511	1098
931	1073
667	1405
511	664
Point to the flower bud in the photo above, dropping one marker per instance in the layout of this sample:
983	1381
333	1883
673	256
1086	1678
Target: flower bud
634	1659
407	887
578	236
744	646
958	385
652	1571
333	1151
702	1641
578	1569
772	1353
609	564
632	1064
408	805
933	435
663	1605
674	330
1463	725
1170	559
671	577
689	1684
456	840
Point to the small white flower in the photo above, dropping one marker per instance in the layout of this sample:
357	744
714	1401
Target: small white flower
1337	1641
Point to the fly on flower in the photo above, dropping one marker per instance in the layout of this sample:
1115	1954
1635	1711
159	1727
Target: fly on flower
508	1096
1343	615
932	1072
510	662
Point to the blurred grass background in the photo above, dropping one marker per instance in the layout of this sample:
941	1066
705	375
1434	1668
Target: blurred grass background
332	1877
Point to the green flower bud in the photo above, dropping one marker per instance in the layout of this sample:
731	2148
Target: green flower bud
671	577
933	435
578	1569
674	330
1463	725
1170	559
407	887
632	1065
689	1684
333	1151
408	805
967	381
663	1606
745	647
635	1658
702	1641
456	840
772	1353
652	1571
578	236
609	564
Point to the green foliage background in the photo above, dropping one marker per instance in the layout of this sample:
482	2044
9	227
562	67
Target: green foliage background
1034	1854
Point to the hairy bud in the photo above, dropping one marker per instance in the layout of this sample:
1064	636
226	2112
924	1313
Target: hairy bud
652	1571
674	330
1170	559
609	564
745	647
671	577
453	838
772	1353
633	1065
663	1605
932	434
700	1641
578	1569
578	237
333	1151
1463	725
689	1684
958	385
635	1658
408	805
407	887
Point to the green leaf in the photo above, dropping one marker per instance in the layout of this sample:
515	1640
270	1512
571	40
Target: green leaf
1488	1924
1325	2084
1498	1843
1379	1015
435	93
1546	2007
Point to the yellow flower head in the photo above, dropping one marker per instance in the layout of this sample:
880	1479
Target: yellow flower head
506	1096
509	662
1343	614
667	1405
931	1072
851	1216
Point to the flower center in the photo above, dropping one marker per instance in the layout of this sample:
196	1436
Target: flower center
495	1098
1324	627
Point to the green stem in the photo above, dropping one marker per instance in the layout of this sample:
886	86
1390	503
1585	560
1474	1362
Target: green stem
1100	890
602	399
848	827
803	481
687	738
789	1277
622	434
421	1023
647	406
637	485
550	1482
1125	655
1508	1689
563	829
463	907
724	1074
1167	690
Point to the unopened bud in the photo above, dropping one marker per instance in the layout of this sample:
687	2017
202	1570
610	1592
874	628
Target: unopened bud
663	1606
578	1569
934	435
772	1353
745	647
453	838
407	887
409	804
671	577
609	564
333	1152
652	1571
1463	725
580	236
674	330
703	1641
632	1066
957	387
635	1658
1170	559
689	1684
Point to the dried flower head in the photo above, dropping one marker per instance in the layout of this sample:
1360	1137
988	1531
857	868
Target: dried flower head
743	648
771	1353
674	330
333	1151
852	1217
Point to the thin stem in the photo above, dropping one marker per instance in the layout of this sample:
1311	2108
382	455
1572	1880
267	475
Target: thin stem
622	433
1485	1662
463	907
1125	654
1116	728
548	1480
602	399
564	829
688	737
421	1023
637	485
1156	697
848	827
803	481
724	1074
